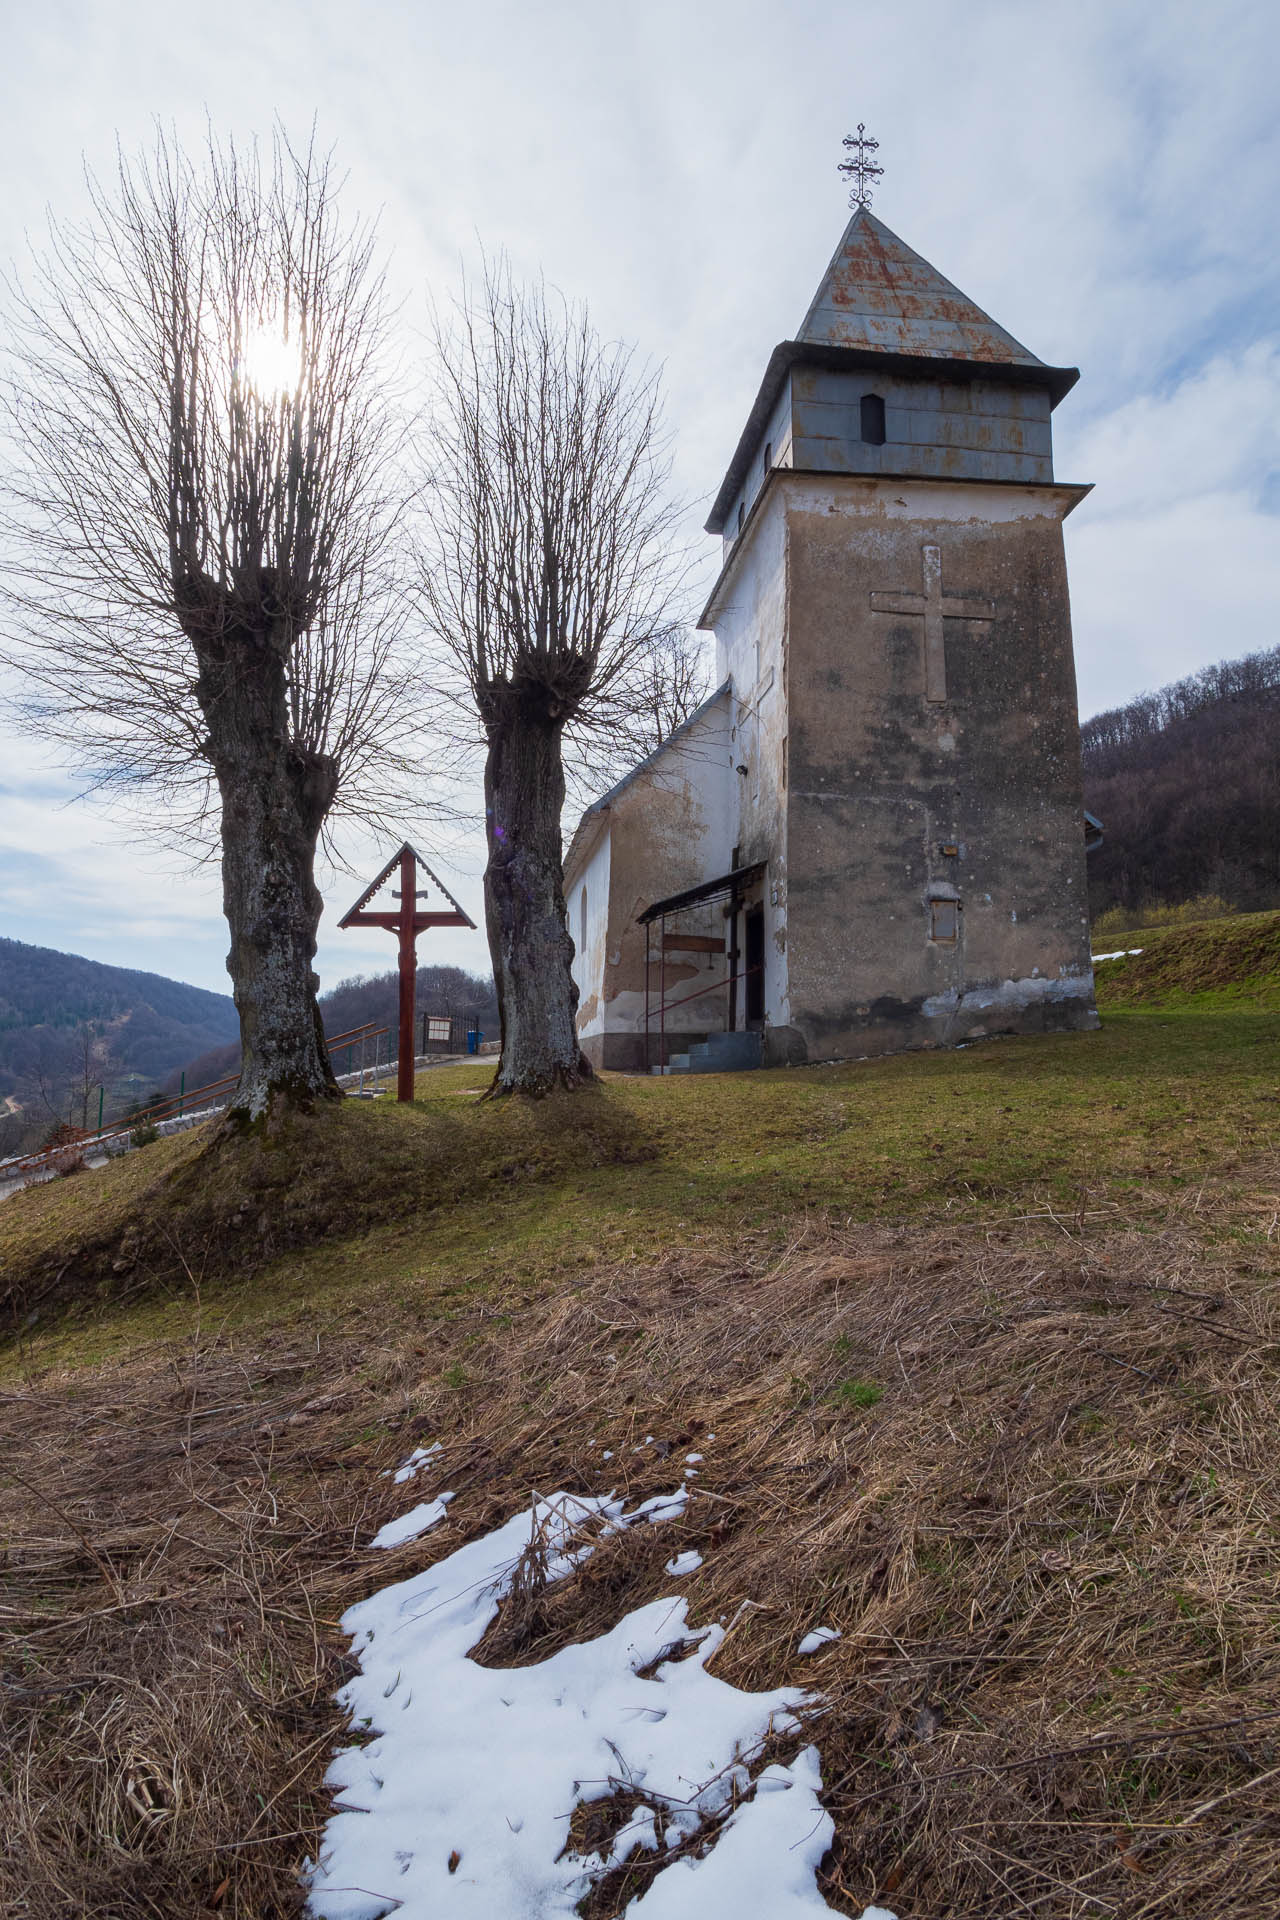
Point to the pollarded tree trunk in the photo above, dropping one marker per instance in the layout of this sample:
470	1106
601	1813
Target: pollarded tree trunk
524	898
274	801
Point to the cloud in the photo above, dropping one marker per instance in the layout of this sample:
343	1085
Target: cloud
1175	559
1101	179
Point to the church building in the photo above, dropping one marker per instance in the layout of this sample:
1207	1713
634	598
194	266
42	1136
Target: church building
871	836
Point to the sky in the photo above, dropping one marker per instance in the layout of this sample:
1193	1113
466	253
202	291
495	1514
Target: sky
1102	179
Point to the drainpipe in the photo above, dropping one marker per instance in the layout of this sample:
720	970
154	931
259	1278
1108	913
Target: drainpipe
648	1060
733	964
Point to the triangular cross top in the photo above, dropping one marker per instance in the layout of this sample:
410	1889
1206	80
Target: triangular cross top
407	923
356	916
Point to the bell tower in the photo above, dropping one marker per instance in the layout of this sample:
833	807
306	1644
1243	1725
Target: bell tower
892	613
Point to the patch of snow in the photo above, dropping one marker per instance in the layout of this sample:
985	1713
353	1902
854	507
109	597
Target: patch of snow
1009	996
415	1462
818	1638
1121	953
607	1454
482	1766
693	1459
663	1506
763	1862
683	1563
411	1524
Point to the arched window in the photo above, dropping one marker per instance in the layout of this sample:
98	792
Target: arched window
742	513
872	410
582	922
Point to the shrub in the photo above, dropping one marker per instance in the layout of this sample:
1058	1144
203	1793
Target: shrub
857	1393
1183	913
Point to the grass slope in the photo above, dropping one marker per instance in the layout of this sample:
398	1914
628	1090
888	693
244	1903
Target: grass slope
988	1343
1223	963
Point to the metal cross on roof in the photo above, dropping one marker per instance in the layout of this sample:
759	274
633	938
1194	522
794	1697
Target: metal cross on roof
863	171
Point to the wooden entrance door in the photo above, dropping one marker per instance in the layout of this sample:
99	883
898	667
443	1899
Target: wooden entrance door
754	961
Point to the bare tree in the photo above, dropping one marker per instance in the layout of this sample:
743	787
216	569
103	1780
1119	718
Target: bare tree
668	683
548	578
203	503
91	1063
70	1066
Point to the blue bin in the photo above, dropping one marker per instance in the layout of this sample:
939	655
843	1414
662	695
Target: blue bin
474	1037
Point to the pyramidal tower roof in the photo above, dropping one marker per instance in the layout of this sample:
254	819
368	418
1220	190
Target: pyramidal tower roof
881	305
880	296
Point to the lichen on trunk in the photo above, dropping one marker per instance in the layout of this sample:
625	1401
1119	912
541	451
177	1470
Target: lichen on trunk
525	918
274	797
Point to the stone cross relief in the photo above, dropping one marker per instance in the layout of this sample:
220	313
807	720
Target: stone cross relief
936	606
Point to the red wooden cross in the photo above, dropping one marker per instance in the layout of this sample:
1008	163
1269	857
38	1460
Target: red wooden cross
408	923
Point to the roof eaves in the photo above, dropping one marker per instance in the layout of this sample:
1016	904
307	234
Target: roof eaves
642	766
603	804
706	619
586	836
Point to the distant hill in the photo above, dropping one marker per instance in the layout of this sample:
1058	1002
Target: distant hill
64	1019
1186	782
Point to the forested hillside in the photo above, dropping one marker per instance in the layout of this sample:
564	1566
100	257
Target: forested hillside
1186	782
356	1002
69	1025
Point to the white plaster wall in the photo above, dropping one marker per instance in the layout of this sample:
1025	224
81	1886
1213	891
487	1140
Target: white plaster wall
870	498
749	617
590	952
672	827
777	436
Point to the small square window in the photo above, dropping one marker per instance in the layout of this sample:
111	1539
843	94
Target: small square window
944	921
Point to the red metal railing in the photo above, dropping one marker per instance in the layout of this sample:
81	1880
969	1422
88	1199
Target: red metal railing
188	1100
664	1007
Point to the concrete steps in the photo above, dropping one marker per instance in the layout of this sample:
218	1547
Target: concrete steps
718	1053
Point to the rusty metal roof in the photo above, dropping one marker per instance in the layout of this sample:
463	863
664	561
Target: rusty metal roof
725	886
880	305
879	295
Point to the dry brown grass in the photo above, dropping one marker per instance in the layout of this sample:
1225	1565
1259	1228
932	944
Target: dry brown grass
179	1536
225	1209
1050	1544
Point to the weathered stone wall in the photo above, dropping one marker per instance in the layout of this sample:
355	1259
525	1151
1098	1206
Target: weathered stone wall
882	779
